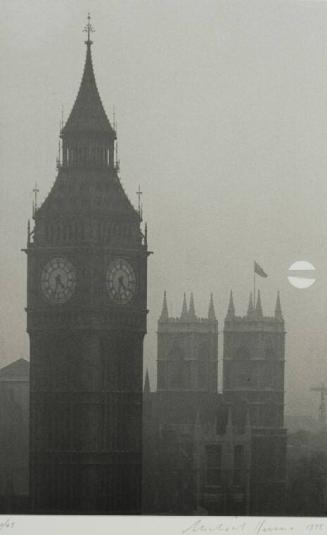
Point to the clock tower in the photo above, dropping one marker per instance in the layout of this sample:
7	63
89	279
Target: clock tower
86	319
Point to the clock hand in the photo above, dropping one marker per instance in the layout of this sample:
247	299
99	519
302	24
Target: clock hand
58	285
121	282
59	281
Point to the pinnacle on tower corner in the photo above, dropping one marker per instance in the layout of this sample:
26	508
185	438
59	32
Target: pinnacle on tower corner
231	308
184	313
211	311
250	306
164	312
278	309
191	310
258	307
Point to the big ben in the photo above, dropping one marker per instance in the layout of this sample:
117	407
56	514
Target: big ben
86	319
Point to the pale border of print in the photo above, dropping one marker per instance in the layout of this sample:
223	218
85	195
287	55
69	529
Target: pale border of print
160	525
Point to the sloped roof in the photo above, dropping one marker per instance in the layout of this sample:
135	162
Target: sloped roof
88	114
89	192
18	369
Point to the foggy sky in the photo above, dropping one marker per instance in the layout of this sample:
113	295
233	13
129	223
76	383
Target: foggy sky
222	120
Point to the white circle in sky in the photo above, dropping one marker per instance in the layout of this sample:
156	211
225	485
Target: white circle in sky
300	280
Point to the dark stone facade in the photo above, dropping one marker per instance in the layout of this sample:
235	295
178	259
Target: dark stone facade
86	318
216	453
254	361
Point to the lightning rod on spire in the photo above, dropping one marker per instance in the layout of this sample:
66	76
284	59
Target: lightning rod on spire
88	28
35	191
139	194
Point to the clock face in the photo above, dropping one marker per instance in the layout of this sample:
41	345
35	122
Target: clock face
121	281
58	280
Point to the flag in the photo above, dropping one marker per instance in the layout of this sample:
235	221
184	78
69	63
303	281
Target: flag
259	271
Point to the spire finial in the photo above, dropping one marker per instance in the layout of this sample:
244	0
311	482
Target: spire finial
139	194
251	306
184	313
164	312
88	29
191	310
278	309
211	311
146	234
231	308
258	306
35	191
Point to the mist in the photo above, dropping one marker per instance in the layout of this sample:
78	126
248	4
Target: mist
221	109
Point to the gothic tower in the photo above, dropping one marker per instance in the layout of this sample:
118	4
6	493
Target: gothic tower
254	359
86	318
187	350
186	384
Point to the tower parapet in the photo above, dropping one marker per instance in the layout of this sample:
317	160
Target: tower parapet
254	319
188	320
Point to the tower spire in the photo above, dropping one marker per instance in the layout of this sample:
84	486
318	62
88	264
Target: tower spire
211	311
231	308
250	307
184	313
278	309
258	306
191	310
88	114
164	312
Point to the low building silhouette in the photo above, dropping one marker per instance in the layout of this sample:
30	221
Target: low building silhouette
14	421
